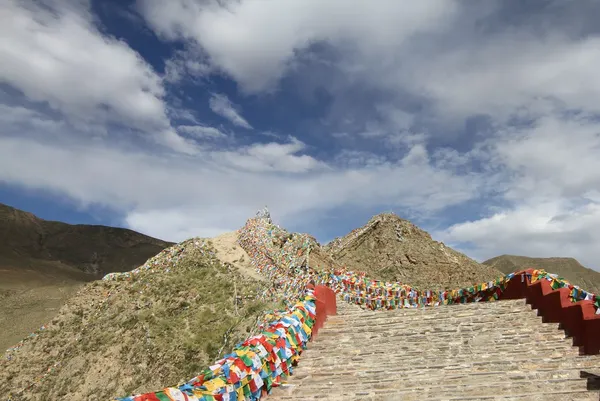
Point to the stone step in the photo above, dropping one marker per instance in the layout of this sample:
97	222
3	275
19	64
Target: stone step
442	340
442	317
410	391
522	318
579	395
405	388
447	377
416	334
351	309
430	314
517	328
432	365
384	352
498	350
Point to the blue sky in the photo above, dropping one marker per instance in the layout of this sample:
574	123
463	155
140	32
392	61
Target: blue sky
478	122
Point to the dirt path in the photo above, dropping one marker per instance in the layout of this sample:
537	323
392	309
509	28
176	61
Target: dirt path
229	251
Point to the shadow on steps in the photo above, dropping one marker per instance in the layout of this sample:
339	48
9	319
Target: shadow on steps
593	380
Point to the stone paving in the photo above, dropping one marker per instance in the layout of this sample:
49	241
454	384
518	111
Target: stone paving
480	351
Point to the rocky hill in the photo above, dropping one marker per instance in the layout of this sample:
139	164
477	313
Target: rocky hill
42	263
393	249
139	331
568	268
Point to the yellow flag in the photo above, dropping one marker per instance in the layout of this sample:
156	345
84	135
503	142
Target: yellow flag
214	384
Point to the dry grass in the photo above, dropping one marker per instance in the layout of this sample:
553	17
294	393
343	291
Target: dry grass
156	330
394	249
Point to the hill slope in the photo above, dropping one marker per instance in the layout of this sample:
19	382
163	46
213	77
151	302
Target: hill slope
142	331
42	263
393	249
568	268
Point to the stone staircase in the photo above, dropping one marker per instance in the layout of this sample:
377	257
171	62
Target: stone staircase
479	351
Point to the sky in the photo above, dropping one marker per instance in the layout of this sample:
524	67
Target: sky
477	121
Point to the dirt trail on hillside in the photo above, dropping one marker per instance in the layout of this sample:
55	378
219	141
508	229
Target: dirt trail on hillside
229	251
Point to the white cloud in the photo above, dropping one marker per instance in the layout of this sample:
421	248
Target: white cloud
540	229
453	61
556	157
273	157
221	105
439	51
503	74
54	54
255	41
186	64
216	191
178	224
549	174
202	132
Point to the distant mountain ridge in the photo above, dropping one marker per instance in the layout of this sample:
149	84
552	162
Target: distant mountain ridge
568	268
92	249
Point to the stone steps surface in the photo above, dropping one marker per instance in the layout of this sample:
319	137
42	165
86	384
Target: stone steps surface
481	351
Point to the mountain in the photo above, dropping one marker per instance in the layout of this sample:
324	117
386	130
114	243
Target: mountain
191	303
568	268
43	263
91	249
393	249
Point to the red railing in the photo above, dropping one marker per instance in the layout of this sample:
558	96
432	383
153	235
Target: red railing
325	306
579	319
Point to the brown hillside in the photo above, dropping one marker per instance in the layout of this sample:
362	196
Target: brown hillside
42	263
153	329
393	249
567	268
89	248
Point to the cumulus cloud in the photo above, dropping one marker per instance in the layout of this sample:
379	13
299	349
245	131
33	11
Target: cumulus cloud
548	177
54	54
504	74
186	64
555	157
221	105
464	59
275	157
540	229
255	42
218	190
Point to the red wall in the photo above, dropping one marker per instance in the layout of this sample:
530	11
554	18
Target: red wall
577	319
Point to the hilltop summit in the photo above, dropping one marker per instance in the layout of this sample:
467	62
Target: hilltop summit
394	249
